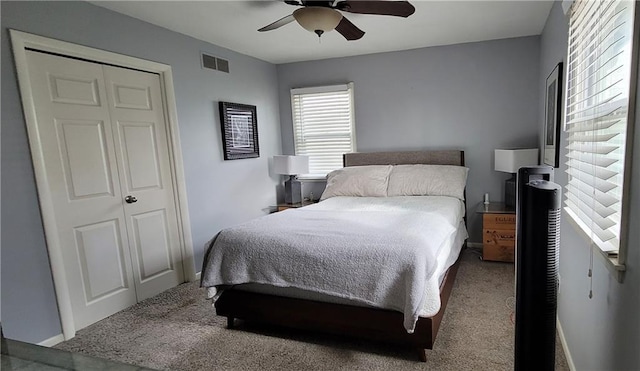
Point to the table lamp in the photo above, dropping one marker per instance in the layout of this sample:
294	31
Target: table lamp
509	161
292	166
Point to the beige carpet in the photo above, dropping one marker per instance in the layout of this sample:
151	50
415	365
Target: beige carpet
178	330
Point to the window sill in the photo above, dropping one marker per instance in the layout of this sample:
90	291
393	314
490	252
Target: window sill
616	269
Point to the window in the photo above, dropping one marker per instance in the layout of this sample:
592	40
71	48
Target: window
597	109
323	126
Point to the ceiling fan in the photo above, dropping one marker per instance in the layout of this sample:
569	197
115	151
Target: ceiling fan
323	16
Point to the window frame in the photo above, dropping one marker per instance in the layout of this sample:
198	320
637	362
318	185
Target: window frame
349	87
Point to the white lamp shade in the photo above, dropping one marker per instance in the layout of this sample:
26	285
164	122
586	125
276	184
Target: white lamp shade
510	160
291	165
317	18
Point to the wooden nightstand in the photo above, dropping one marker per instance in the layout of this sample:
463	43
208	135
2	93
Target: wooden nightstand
498	232
281	207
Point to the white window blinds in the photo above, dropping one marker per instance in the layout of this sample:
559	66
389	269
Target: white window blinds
323	126
597	101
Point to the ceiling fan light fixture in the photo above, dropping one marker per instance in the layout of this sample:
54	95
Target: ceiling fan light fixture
317	19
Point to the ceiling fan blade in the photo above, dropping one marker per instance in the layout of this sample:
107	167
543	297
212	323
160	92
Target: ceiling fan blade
324	3
279	23
394	8
349	30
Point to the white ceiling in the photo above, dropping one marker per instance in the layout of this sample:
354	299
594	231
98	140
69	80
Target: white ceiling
234	25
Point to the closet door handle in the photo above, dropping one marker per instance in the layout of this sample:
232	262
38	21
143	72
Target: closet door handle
130	199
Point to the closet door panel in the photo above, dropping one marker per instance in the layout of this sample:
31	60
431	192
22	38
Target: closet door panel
142	148
75	135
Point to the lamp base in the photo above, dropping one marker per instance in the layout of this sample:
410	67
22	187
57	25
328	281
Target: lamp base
510	192
292	190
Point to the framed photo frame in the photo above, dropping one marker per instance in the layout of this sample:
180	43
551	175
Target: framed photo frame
553	117
239	130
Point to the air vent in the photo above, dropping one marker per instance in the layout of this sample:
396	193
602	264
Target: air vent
223	65
209	62
215	63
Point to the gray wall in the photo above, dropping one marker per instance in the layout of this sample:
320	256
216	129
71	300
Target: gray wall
220	192
476	97
603	333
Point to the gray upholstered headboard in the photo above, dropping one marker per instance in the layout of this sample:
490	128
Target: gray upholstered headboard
436	157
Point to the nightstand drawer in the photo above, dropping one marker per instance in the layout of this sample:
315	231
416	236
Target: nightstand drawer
498	232
282	207
499	221
499	253
499	237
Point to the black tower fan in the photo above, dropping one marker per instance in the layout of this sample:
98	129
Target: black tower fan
537	240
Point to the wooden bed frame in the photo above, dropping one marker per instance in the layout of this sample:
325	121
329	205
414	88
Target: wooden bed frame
348	320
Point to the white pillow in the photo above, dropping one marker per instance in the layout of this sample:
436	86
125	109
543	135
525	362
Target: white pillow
363	181
427	180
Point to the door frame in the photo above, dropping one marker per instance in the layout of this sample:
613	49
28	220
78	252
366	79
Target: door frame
20	42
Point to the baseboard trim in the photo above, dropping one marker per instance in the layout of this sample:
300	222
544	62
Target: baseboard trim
52	341
565	347
198	276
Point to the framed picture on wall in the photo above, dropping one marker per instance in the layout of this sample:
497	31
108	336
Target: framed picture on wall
239	131
552	117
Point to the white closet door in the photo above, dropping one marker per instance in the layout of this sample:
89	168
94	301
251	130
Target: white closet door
104	137
140	133
76	137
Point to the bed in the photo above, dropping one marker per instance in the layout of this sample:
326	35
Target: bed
256	277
